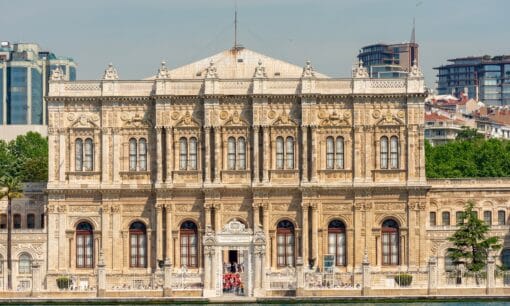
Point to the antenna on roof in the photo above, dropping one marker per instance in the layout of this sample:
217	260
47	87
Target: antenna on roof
237	46
413	32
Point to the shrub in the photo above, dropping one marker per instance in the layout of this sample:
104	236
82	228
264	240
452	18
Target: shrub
63	282
403	279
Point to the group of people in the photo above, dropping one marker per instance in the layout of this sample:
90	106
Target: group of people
232	283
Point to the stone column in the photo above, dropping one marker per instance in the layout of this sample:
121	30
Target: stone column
314	154
365	290
217	154
36	278
267	156
105	154
208	218
117	147
168	231
256	154
101	275
159	155
256	215
315	235
300	281
304	235
304	165
490	274
432	286
265	225
169	154
209	271
167	286
159	232
208	162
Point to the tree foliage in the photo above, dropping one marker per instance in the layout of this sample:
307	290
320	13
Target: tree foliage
468	158
25	158
471	246
468	134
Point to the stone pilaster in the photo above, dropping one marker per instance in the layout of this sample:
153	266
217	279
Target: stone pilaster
159	232
304	238
159	155
168	233
207	149
366	277
432	279
491	269
101	275
167	285
256	158
169	154
267	154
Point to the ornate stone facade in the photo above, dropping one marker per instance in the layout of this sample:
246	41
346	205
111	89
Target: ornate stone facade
290	157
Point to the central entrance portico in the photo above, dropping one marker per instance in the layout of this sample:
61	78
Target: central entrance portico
234	261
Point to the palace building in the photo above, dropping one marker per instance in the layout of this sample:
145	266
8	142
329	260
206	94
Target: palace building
241	174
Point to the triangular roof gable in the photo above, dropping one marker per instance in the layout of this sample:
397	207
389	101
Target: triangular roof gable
239	64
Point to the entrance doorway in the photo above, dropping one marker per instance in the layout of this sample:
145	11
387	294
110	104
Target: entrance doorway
233	273
233	258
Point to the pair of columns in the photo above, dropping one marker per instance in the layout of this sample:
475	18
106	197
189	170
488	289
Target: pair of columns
168	232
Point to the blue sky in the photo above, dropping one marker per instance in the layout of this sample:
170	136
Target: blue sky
137	35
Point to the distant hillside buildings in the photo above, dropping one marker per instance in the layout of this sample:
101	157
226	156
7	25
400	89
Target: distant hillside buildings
389	61
24	72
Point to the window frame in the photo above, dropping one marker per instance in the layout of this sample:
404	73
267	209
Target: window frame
390	232
183	153
289	153
30	221
340	249
140	246
241	153
383	152
78	154
193	153
133	149
189	230
231	153
501	221
285	248
142	154
280	153
88	154
26	267
84	236
445	216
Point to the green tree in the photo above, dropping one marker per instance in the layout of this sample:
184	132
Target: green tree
31	162
10	187
468	134
471	246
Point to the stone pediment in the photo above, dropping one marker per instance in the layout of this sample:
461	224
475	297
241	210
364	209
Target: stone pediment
235	227
187	121
334	118
388	118
135	120
283	120
233	120
86	121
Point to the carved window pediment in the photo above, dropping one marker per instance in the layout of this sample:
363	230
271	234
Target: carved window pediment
187	121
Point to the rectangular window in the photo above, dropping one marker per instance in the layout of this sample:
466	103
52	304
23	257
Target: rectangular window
487	217
17	99
37	97
446	218
432	218
501	217
459	217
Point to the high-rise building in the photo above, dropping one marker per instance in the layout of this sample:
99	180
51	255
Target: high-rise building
484	78
389	61
24	74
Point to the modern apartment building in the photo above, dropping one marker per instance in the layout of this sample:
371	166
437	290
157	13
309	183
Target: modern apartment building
484	78
24	74
389	61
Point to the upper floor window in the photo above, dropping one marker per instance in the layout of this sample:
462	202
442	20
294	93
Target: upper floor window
501	217
17	221
284	153
487	217
137	154
445	218
188	154
3	221
334	153
30	221
236	152
389	152
84	154
432	218
459	217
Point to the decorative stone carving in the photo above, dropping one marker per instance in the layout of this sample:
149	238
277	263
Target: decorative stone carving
235	227
260	71
57	74
359	71
163	71
135	120
110	73
415	71
308	71
211	72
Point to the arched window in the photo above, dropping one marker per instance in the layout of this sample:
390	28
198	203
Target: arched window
336	241
394	152
3	221
138	245
88	160
279	152
285	243
290	153
390	243
142	155
449	264
231	153
78	155
445	218
241	155
330	153
183	154
84	245
505	258
132	154
189	244
193	153
17	221
25	264
339	152
384	152
30	221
